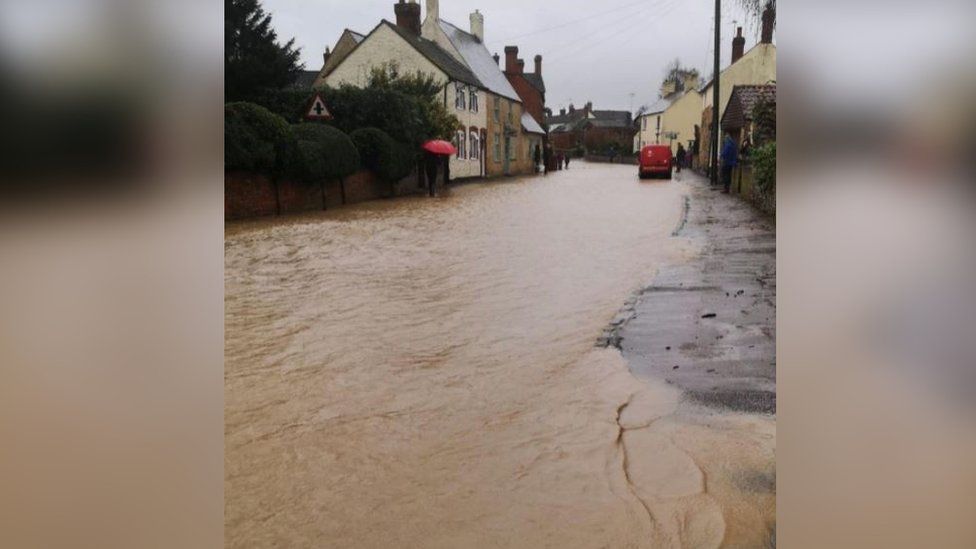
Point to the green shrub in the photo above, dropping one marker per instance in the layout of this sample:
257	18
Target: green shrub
255	139
764	174
381	154
321	152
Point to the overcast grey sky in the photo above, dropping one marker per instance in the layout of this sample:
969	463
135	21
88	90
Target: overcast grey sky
600	51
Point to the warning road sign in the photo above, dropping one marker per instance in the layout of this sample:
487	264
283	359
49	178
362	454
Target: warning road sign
317	110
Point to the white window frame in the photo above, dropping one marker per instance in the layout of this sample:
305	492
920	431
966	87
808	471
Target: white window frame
460	93
473	99
474	149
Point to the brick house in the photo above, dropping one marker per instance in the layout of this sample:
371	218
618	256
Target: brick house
595	130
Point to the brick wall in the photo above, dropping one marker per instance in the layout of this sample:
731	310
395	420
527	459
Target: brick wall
251	195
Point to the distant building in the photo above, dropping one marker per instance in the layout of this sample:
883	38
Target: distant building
673	118
595	130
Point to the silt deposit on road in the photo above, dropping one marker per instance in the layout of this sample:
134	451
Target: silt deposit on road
422	373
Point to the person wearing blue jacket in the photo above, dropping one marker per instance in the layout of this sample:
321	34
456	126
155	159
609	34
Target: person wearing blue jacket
730	159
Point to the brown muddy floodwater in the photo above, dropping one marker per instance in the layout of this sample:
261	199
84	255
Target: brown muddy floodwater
422	373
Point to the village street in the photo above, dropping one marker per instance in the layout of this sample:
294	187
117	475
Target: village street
423	372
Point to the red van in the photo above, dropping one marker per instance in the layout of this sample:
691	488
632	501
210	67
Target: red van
656	160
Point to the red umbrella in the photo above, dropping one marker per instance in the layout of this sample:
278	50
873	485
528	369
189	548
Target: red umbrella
438	146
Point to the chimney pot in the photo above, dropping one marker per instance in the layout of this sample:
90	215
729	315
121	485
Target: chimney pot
538	65
408	16
738	46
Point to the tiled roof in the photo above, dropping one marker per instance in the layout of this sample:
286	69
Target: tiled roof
536	81
436	55
530	125
661	104
750	95
480	61
304	81
611	119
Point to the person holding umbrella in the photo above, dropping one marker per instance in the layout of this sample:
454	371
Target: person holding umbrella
435	152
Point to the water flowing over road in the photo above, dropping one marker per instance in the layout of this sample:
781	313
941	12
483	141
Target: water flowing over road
422	373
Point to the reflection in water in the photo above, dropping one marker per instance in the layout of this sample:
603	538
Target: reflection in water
421	372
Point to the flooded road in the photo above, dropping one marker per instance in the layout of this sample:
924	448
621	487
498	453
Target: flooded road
422	373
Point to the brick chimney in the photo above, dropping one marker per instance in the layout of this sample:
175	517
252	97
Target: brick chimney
521	66
408	16
478	25
738	46
572	109
562	112
768	24
538	65
588	108
496	58
511	59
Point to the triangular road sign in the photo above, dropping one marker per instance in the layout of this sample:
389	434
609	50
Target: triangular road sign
317	109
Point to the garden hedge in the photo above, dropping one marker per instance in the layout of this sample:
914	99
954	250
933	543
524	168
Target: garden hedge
255	139
382	155
322	153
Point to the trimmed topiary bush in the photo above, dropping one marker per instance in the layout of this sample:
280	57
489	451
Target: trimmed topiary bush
381	154
322	153
255	139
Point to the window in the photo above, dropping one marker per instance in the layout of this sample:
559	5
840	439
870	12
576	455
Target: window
460	140
474	151
473	100
498	144
659	122
511	111
459	97
645	123
498	111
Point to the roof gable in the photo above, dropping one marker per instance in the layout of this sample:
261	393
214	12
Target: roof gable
480	61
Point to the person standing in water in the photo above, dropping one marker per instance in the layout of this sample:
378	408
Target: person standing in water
431	163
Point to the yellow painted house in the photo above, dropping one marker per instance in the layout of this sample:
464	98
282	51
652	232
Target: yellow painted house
753	68
672	119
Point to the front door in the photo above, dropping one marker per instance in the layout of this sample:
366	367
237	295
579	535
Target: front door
508	150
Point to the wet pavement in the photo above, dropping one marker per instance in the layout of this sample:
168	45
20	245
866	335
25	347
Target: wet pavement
708	325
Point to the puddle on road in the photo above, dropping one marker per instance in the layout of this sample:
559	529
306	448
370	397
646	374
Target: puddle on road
421	373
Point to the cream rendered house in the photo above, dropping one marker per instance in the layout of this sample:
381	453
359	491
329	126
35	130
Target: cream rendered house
401	45
510	131
672	118
755	67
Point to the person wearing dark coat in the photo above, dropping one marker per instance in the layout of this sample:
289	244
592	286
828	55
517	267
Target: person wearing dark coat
431	163
547	160
730	159
681	155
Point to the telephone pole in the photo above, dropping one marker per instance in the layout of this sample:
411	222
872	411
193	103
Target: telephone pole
715	92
